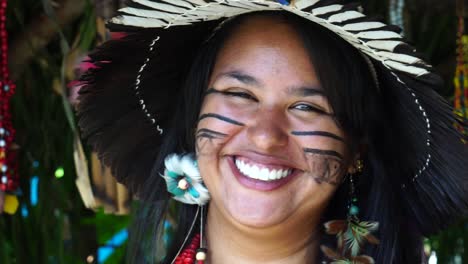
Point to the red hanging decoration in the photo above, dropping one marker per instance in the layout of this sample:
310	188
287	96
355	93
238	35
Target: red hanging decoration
9	179
192	254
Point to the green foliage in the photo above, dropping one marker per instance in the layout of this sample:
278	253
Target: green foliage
107	224
452	244
52	232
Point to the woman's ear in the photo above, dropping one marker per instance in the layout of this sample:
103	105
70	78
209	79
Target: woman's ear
353	166
357	164
356	167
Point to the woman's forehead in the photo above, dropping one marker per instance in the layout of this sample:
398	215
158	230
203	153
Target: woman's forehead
262	31
264	46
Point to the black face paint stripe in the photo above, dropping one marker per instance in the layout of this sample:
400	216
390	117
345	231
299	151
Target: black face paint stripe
317	133
208	133
222	118
324	152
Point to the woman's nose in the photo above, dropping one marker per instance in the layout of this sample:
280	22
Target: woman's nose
268	131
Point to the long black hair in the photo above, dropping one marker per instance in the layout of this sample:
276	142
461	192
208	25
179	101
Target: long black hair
362	110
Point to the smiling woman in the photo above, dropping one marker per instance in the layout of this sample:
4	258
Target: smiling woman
293	117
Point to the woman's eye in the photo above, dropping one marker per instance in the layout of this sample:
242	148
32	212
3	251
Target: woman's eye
309	108
241	94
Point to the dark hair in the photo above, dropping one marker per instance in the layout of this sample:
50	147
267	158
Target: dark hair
360	111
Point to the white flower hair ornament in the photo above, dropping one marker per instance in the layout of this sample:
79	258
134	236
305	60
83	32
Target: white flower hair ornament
184	181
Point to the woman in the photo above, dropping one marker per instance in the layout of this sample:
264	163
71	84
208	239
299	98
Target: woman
269	124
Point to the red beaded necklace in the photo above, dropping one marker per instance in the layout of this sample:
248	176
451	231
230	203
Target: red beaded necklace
9	179
192	253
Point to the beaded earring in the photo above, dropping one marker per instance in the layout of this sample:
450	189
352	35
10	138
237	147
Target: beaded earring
184	182
351	233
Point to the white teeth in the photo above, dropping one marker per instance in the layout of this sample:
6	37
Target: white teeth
255	172
264	174
284	173
281	173
272	175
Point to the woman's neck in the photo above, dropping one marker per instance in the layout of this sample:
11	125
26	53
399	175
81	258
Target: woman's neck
292	241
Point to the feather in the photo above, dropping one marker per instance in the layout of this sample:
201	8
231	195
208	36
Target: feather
330	253
185	167
147	13
334	227
303	4
196	2
171	164
416	71
363	259
378	34
362	26
250	6
138	21
399	57
226	8
341	17
161	6
180	3
326	9
188	166
347	36
372	239
388	45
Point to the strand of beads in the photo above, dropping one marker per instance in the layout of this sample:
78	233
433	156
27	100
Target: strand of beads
192	253
9	180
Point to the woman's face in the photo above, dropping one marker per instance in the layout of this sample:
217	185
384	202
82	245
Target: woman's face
268	147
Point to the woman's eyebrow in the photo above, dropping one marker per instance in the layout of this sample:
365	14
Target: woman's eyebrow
247	79
241	77
304	91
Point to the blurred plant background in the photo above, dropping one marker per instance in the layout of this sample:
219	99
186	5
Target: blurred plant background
48	39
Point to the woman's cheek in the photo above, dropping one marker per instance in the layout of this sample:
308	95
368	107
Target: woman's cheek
324	149
219	120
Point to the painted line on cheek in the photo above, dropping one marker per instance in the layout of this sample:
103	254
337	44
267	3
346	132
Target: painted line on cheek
323	152
317	133
222	118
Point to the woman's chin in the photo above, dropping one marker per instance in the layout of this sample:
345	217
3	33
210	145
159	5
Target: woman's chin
256	213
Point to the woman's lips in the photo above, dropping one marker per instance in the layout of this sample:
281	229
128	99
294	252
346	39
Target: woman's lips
278	175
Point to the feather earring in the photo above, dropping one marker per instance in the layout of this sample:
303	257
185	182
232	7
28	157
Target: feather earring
184	181
351	233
